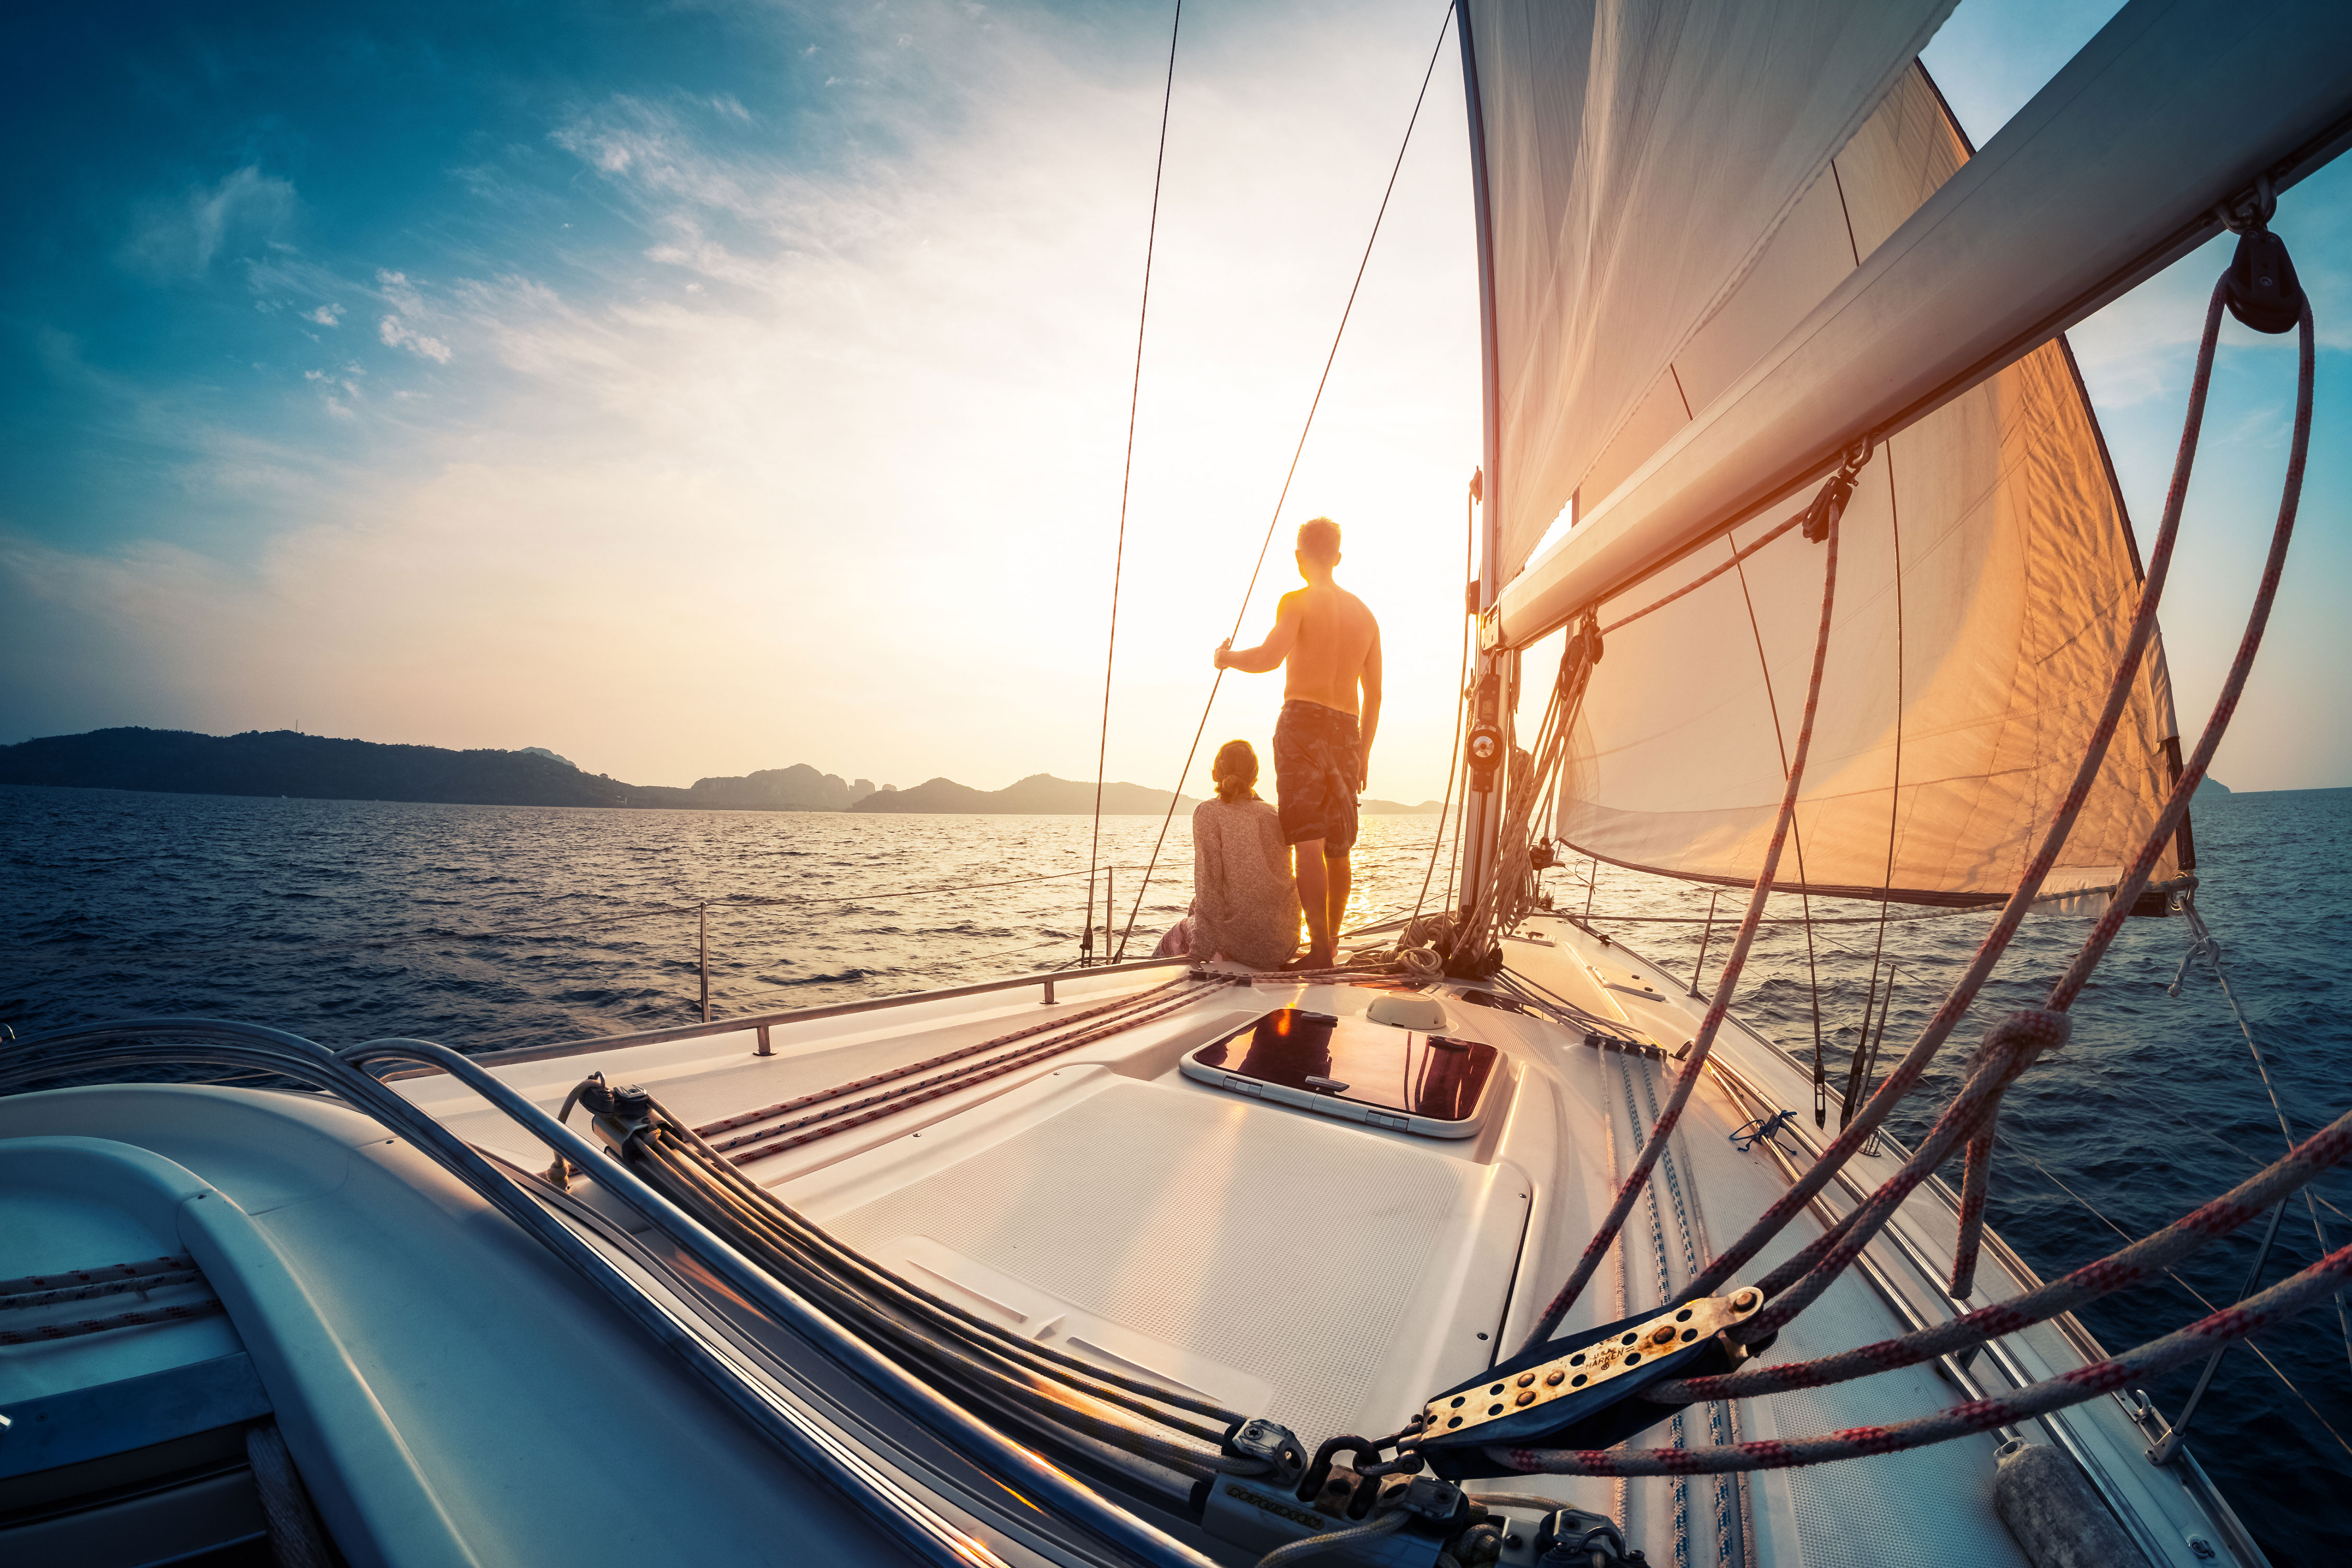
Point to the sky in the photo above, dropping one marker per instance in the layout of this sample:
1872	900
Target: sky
698	388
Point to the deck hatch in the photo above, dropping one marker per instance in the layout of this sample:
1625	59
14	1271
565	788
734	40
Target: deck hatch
1356	1070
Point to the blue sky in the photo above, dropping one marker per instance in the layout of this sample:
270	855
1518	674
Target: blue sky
698	388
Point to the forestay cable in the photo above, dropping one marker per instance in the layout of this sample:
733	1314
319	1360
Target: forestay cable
1280	500
1125	479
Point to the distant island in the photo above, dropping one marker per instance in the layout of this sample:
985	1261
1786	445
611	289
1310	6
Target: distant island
315	767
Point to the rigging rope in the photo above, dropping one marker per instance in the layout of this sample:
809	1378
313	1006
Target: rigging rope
2176	809
1503	900
2013	1043
1125	477
1858	1130
2206	1302
2275	1305
1296	452
1865	1055
1704	578
1697	1052
1797	834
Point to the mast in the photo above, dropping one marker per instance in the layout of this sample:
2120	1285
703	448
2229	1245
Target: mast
1486	740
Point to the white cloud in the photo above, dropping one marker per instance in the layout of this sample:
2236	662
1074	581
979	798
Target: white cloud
326	316
182	236
397	333
884	439
882	443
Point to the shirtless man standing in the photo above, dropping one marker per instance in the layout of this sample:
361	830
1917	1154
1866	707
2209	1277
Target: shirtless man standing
1320	760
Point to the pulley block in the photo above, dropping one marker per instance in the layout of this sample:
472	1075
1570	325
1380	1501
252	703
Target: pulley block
2262	289
1583	1390
1486	751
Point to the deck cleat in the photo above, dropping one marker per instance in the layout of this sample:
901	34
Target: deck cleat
1259	1438
1582	1390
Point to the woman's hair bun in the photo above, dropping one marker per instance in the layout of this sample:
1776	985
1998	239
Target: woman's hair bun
1235	771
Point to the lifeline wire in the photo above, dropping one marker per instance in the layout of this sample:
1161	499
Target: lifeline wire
624	917
1201	729
2204	944
1125	477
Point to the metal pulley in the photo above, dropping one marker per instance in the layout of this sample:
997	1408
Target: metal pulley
1484	749
1485	753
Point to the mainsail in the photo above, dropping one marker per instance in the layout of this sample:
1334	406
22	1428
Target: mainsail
1605	127
1897	291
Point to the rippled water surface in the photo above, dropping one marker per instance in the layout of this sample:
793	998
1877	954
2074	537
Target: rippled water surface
486	927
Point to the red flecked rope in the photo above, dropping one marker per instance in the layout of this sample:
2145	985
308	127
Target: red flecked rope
2010	1047
2095	946
177	1313
11	1301
1596	1249
1976	1181
2253	1315
1914	1063
67	1278
2144	1258
857	1113
728	1124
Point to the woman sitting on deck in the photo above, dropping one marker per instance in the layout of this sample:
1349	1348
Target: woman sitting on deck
1244	904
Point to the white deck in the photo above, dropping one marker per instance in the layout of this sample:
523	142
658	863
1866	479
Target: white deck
1332	1275
1327	1274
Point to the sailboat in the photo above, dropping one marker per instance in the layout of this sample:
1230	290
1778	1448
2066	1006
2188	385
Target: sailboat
1498	1244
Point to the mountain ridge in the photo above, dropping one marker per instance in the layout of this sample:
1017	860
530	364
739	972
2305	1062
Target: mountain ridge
318	767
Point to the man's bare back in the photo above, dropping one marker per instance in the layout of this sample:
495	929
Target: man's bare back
1331	643
1336	638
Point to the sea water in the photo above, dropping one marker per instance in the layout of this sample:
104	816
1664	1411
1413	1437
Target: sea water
490	927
